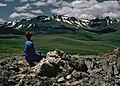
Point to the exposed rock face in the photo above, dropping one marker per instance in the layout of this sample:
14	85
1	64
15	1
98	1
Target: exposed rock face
61	69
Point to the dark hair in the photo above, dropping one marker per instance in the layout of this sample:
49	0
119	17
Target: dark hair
29	34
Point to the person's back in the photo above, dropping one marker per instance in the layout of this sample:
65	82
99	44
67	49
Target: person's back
29	50
30	54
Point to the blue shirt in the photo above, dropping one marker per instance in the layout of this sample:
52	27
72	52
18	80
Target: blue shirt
29	50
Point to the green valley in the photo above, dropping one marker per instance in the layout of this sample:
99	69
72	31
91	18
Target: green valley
69	43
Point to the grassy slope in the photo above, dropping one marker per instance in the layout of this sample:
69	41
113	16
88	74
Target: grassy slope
73	44
84	43
114	37
11	44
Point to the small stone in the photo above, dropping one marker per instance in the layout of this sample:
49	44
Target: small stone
21	82
92	81
117	82
117	77
83	74
60	80
88	63
12	82
76	74
76	83
90	71
68	77
16	69
97	70
66	84
115	70
110	70
54	84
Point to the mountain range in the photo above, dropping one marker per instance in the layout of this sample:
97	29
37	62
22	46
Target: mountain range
56	24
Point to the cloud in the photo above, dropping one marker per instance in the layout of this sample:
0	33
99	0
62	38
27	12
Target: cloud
58	4
112	14
23	8
88	9
76	9
36	11
32	0
14	15
21	15
3	5
1	20
86	16
51	1
82	9
9	0
39	3
23	1
83	4
63	10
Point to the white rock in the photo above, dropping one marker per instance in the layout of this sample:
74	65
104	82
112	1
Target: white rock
61	79
68	77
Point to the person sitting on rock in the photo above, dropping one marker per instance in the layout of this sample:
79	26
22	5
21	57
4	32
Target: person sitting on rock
30	54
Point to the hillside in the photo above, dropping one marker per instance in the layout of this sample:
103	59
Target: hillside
85	44
61	69
9	30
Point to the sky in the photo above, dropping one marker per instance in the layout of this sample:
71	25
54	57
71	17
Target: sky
82	9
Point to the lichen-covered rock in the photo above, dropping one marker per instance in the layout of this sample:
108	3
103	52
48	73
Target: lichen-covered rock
56	53
50	66
77	63
49	70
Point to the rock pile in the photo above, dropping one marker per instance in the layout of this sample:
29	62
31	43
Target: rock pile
61	69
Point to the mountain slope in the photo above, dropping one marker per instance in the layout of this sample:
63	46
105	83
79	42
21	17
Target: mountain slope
9	30
62	24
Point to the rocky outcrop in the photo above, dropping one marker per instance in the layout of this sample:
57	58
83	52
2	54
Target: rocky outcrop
61	69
